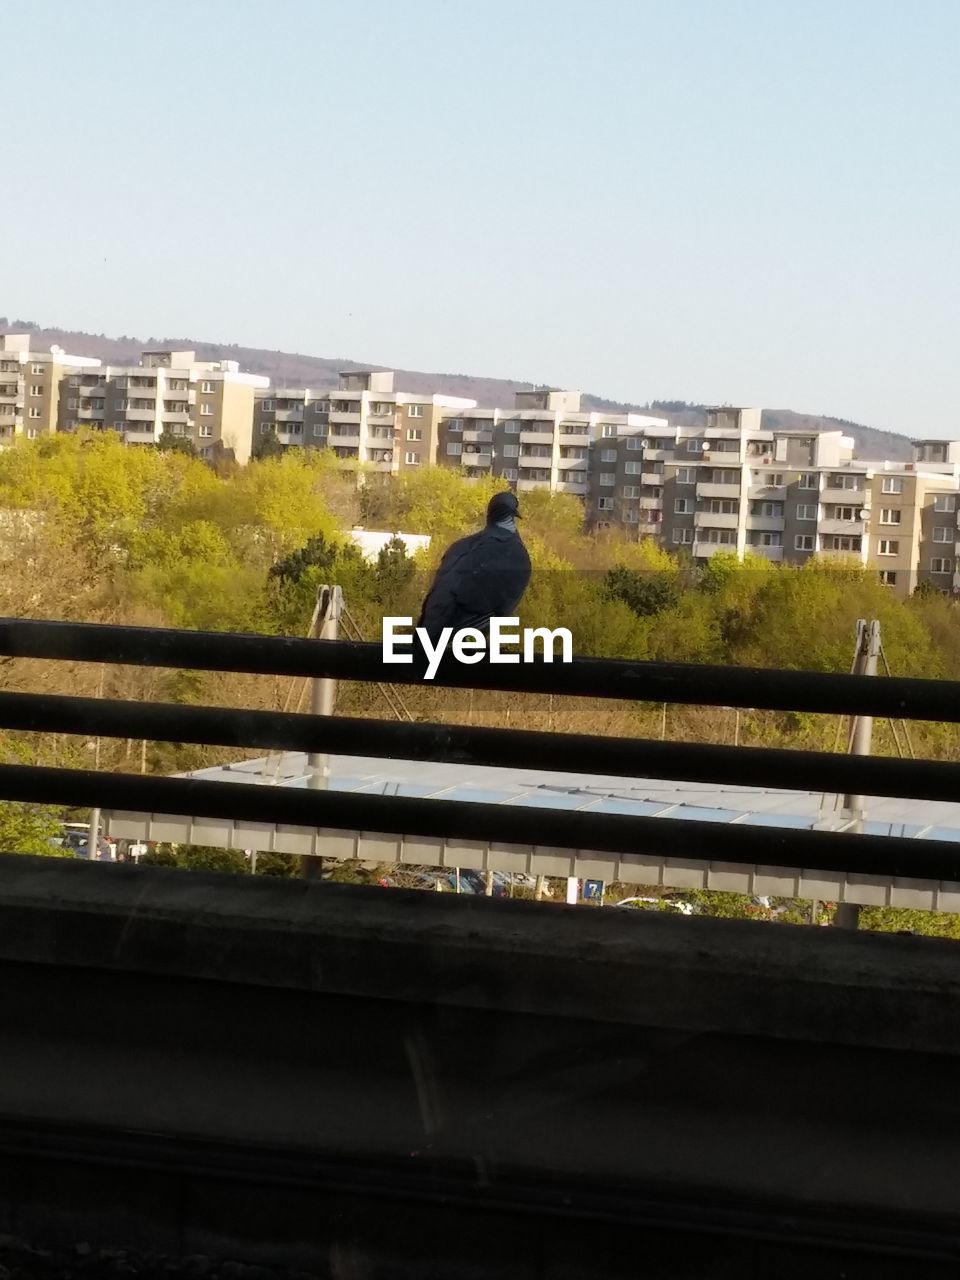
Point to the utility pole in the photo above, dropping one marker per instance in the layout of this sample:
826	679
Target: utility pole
861	740
323	697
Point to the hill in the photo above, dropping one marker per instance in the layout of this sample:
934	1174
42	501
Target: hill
287	369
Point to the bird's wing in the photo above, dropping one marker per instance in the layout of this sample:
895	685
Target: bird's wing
487	579
440	608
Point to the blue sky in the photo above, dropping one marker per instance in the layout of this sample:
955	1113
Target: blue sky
753	201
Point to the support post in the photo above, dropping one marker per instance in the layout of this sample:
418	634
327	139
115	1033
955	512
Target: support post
323	698
868	654
93	839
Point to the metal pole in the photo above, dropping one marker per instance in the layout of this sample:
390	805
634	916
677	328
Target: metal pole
488	883
93	839
868	653
323	697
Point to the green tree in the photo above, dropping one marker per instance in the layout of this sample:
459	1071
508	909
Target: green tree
28	828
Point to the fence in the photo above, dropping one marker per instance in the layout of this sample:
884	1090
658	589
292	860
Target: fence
825	851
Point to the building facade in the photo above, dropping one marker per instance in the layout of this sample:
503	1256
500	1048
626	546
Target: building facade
364	420
30	384
209	403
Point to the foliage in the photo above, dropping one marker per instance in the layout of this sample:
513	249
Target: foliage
28	828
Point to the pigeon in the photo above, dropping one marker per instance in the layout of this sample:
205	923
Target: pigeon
480	577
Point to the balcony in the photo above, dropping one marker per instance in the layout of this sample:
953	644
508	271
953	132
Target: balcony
768	553
138	435
169	419
576	463
349	440
658	455
529	460
580	439
652	504
472	435
573	486
842	496
716	520
387	418
348	419
87	411
476	459
707	489
651	477
140	415
772	492
854	527
537	437
766	524
289	415
706	549
383	467
526	486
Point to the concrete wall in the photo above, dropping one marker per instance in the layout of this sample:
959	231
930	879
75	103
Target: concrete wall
512	1055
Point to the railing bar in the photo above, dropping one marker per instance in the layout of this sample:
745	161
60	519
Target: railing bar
759	688
502	824
481	746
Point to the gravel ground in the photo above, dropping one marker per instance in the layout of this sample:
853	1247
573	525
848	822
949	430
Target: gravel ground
22	1261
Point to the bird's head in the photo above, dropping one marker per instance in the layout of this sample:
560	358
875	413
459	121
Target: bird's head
503	506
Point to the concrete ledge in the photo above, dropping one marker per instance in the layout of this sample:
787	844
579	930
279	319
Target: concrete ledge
693	975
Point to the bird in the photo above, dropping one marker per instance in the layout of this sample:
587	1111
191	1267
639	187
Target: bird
480	577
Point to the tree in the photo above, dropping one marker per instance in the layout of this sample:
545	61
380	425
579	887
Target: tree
170	443
28	828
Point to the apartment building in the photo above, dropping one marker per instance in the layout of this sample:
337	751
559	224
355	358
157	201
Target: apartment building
30	386
209	403
363	419
544	442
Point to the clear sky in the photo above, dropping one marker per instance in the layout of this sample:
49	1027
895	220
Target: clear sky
745	201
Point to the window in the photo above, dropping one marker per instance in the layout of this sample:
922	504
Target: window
206	388
266	404
803	542
806	511
843	513
205	430
809	480
512	427
723	506
509	473
607	479
843	544
631	491
36	370
773	478
693	445
939	566
635	442
607	430
888	577
685	475
75	380
73	404
608	455
414	433
768	540
683	506
722	537
605	504
945	502
772	510
944	533
206	410
36	413
411	459
891	484
454	447
888	547
416	411
266	428
889	515
681	536
36	389
631	515
511	450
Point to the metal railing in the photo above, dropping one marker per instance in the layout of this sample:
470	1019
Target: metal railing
828	851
